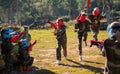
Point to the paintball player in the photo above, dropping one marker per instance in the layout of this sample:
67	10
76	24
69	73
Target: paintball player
82	13
95	20
24	57
81	27
60	33
7	49
111	49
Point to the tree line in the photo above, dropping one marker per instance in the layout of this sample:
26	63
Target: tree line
29	11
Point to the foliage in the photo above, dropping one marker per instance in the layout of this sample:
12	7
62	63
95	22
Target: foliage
15	28
66	18
28	11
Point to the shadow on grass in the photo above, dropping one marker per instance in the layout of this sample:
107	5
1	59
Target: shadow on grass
35	70
93	62
78	65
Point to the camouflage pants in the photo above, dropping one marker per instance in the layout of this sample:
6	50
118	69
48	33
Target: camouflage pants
80	35
85	36
28	62
25	62
61	43
9	61
95	32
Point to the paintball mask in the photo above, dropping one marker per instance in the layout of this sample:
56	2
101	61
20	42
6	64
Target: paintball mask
59	22
96	11
114	31
23	43
83	17
6	33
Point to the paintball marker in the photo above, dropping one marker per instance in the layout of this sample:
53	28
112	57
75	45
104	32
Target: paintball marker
99	44
31	45
87	4
16	37
52	24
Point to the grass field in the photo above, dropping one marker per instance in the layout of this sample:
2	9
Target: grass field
44	53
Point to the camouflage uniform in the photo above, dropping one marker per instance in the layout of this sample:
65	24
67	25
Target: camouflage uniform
112	49
82	31
61	42
7	52
24	57
112	52
95	26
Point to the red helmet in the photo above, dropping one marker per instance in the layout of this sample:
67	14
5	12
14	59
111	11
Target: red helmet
59	22
83	17
96	11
